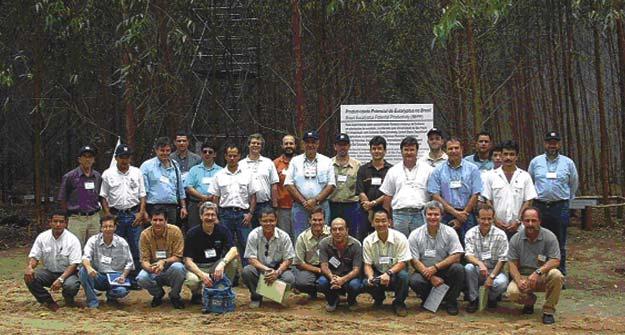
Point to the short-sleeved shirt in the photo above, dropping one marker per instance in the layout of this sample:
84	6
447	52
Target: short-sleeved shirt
204	248
115	257
56	254
555	179
384	255
545	246
408	187
482	165
264	175
431	250
284	197
81	192
456	184
369	180
345	190
185	164
434	162
307	247
171	242
340	262
161	183
508	197
233	189
490	249
201	177
310	177
270	252
122	190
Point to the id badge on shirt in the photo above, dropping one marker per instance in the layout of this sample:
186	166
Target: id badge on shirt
207	180
310	172
552	175
376	181
385	260
89	185
485	255
210	253
541	258
164	179
455	184
334	262
341	178
161	254
430	253
106	260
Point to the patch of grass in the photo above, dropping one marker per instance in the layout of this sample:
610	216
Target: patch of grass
12	266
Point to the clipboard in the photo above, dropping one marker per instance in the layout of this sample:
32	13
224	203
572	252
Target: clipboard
278	291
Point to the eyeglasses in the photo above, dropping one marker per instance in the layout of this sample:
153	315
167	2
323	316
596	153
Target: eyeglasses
266	249
208	151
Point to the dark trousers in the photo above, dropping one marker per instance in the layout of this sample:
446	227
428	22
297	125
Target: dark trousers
45	278
351	288
555	217
355	217
172	212
398	284
453	277
470	223
129	233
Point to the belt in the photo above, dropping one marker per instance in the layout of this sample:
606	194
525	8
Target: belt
126	211
409	209
83	213
550	203
163	205
235	209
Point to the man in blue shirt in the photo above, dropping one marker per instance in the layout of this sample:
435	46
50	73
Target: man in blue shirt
482	157
556	181
456	184
198	182
163	182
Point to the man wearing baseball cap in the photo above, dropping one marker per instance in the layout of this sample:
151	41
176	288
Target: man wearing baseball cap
79	196
436	141
556	180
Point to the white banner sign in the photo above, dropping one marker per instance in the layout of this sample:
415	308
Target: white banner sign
393	122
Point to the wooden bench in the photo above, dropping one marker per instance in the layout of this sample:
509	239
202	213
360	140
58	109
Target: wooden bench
583	204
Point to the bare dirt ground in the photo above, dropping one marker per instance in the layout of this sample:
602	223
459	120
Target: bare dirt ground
593	303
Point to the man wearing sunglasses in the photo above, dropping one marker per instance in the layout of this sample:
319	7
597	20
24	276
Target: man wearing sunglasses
198	182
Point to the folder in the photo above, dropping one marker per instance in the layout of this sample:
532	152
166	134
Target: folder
278	291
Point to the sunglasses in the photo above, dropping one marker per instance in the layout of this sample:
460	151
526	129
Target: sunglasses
208	151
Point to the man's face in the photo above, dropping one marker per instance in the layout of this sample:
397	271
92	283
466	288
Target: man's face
454	151
485	218
57	224
339	231
182	143
377	151
380	222
123	162
288	145
341	148
232	157
531	222
316	223
435	142
482	145
268	222
497	159
310	146
208	155
86	160
433	217
108	228
163	152
552	147
509	157
209	219
159	223
409	153
255	146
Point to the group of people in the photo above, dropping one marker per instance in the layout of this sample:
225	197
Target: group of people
329	225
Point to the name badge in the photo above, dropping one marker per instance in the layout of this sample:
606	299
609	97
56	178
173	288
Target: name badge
341	178
206	180
542	258
164	179
486	255
283	172
430	253
334	262
106	260
89	185
161	254
210	253
376	181
385	260
455	184
552	175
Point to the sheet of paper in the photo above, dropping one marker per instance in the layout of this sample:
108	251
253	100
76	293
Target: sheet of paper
483	298
112	277
436	297
277	291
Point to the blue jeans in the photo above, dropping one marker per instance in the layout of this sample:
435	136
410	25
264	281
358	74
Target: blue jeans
474	280
100	283
470	223
351	288
352	213
555	217
300	217
173	276
407	220
398	284
131	234
233	220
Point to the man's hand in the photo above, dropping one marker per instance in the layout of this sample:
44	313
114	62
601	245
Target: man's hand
271	276
523	285
337	282
29	275
436	281
121	279
183	212
158	267
57	285
533	280
140	217
310	204
513	227
206	279
456	224
461	216
385	279
501	225
368	205
489	282
429	272
247	219
92	272
483	270
219	271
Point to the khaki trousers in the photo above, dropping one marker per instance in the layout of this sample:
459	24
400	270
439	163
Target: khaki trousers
84	226
550	283
195	283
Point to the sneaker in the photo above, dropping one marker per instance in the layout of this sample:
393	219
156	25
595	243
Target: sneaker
473	306
452	309
255	304
548	319
330	308
528	309
378	302
400	310
53	306
156	301
492	304
177	303
196	299
94	304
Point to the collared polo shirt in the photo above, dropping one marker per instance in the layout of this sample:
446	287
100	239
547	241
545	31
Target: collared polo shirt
185	164
56	254
264	175
369	180
456	185
270	252
207	249
384	255
115	257
345	190
201	177
482	165
433	249
556	179
122	190
408	187
490	249
81	192
344	260
161	183
434	162
508	197
233	189
310	176
545	245
284	197
171	242
307	246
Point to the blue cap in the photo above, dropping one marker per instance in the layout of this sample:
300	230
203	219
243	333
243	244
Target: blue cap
311	134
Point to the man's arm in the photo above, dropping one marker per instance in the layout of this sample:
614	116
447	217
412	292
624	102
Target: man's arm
308	267
325	193
513	268
294	192
196	194
105	206
368	271
274	195
471	204
29	273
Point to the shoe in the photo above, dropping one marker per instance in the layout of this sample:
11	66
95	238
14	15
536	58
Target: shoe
548	319
492	304
400	310
177	303
528	309
254	304
196	299
93	305
330	308
352	306
452	309
473	306
53	306
378	302
156	301
312	296
113	302
69	302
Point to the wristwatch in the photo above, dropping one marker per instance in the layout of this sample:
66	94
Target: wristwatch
61	280
538	272
389	273
492	276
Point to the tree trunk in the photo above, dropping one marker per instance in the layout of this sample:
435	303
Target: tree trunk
620	31
605	147
475	86
37	125
299	66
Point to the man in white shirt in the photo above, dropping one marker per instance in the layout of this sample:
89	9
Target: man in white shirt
59	251
436	142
